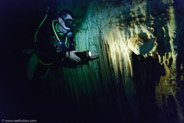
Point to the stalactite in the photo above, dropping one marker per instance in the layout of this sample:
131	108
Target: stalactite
117	33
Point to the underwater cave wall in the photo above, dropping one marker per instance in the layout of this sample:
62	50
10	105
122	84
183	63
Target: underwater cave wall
140	47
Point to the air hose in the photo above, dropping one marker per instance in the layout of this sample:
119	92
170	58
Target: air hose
36	41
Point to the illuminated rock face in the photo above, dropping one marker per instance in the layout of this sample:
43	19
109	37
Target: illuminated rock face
140	44
148	30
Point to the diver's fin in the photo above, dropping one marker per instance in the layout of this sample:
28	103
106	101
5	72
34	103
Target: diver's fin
31	66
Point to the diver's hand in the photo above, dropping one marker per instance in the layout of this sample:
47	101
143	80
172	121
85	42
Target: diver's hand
72	56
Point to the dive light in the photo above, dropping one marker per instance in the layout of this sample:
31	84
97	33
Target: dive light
85	55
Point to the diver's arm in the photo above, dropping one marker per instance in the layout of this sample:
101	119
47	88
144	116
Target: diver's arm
71	51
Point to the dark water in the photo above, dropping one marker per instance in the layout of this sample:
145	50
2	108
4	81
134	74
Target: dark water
24	99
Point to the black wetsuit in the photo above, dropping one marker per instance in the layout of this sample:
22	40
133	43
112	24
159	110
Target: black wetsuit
47	49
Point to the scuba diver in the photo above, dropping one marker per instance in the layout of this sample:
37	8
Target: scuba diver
55	43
